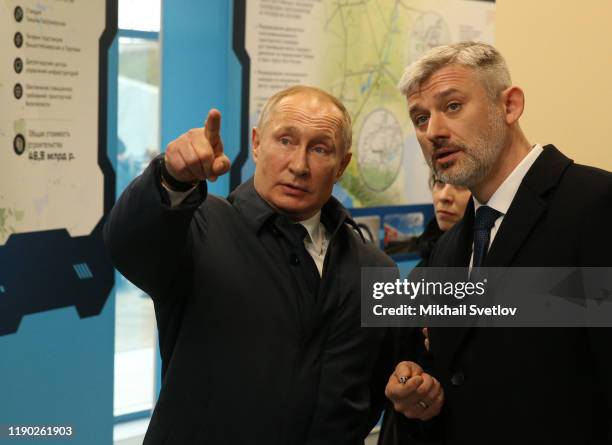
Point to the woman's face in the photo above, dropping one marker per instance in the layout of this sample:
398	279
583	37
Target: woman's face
449	203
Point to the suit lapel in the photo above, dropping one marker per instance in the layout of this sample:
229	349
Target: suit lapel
527	207
524	212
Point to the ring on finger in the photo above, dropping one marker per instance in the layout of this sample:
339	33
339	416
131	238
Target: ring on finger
423	404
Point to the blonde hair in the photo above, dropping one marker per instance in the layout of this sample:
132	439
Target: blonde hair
481	57
346	130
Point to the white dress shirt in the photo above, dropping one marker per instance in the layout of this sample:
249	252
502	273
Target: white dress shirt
317	240
503	196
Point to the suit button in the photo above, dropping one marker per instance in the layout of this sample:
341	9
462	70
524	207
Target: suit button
457	379
293	259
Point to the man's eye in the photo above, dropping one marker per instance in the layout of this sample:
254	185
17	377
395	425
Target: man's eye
285	141
420	120
454	106
319	149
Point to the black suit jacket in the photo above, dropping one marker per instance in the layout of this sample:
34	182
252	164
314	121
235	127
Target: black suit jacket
528	385
249	355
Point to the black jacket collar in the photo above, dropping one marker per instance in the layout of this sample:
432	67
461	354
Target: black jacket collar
258	212
527	207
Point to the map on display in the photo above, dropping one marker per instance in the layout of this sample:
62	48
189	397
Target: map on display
56	182
357	50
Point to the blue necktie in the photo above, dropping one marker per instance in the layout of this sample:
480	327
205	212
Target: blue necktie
483	222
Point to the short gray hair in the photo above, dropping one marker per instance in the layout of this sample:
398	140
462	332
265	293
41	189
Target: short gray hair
481	57
347	128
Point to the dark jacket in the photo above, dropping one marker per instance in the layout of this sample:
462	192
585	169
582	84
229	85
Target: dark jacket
249	355
531	385
427	241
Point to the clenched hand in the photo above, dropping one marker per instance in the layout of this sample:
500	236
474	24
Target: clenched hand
414	393
198	154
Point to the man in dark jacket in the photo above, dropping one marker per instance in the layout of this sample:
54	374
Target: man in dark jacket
257	296
532	207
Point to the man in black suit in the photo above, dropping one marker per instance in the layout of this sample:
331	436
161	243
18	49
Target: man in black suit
531	207
257	296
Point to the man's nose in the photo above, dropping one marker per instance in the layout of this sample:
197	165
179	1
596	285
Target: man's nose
298	164
436	127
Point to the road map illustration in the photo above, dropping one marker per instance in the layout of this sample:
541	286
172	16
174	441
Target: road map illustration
357	50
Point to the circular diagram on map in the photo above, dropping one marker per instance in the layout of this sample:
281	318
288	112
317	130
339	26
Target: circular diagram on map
430	30
381	147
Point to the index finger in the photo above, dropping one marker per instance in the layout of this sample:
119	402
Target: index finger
212	126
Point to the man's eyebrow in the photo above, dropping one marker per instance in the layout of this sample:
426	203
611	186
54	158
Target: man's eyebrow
288	129
293	130
438	96
413	109
325	140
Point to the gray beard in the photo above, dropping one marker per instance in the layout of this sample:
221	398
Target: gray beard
479	159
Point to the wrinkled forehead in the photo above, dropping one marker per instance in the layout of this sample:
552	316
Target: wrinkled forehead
308	110
450	78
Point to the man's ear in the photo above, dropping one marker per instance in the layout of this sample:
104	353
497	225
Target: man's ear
255	143
513	100
343	164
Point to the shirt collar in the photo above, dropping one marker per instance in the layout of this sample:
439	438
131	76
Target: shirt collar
314	229
503	196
